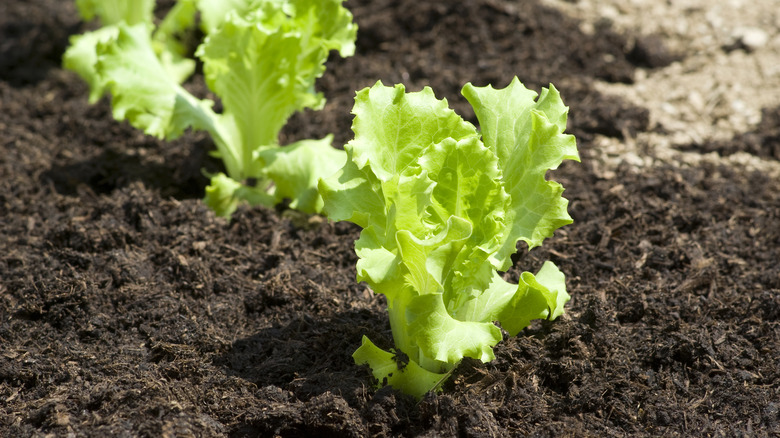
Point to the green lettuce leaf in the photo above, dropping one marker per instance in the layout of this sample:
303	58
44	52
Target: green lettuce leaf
81	57
263	65
261	78
115	11
442	209
142	91
527	137
298	159
409	377
167	39
214	12
224	194
403	124
261	57
353	194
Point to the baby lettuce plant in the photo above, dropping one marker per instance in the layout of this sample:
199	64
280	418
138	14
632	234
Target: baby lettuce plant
260	57
442	207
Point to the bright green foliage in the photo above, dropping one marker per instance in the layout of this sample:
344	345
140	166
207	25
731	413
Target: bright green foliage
261	57
442	208
115	11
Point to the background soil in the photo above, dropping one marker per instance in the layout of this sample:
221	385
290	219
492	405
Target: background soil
128	309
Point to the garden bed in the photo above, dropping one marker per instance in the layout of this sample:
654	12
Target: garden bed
128	309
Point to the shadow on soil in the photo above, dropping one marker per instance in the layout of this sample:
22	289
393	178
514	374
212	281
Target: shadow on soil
180	176
306	378
304	355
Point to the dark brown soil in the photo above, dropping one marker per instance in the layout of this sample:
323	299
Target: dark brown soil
128	309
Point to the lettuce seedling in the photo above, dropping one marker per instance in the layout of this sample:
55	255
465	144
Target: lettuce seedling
260	57
442	208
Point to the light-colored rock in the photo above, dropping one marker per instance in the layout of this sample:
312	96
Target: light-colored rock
751	38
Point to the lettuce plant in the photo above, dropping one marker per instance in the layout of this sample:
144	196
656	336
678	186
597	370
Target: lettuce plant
442	207
260	57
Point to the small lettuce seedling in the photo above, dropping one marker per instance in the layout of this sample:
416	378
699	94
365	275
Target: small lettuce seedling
442	208
260	57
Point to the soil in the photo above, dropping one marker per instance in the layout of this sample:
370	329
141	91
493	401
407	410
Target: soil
128	309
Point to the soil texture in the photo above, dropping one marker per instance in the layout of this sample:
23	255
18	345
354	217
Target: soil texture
128	309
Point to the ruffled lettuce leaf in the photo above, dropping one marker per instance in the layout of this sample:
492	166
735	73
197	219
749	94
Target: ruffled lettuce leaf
442	209
81	57
263	65
170	40
264	71
308	160
409	377
527	137
261	57
115	11
142	91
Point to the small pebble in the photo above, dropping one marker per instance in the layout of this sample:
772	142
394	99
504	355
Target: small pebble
751	38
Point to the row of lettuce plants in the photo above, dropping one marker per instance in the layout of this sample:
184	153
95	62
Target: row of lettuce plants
442	204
